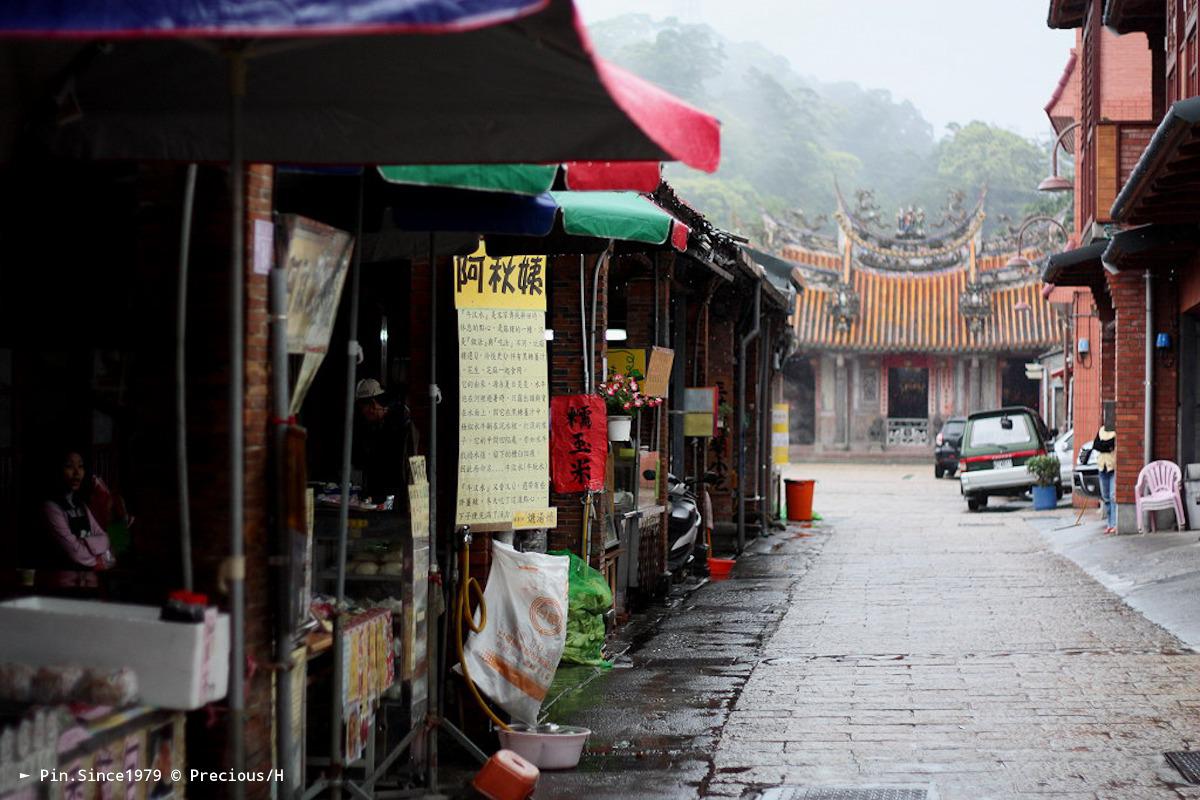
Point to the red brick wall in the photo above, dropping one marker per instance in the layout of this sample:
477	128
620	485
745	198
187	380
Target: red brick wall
1129	300
1125	77
719	372
566	377
639	324
208	370
1086	391
1128	292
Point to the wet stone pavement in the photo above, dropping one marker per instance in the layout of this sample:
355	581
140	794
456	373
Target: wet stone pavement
902	643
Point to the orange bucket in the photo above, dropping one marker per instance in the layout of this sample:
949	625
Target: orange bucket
506	776
719	568
800	500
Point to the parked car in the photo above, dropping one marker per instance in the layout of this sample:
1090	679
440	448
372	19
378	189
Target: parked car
1064	448
945	447
994	449
1085	477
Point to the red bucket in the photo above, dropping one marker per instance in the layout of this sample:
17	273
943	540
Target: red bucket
719	568
800	500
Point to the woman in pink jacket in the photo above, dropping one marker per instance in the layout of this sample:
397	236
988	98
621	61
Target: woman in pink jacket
78	545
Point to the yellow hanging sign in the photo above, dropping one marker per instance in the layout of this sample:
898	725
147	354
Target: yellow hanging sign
779	434
512	282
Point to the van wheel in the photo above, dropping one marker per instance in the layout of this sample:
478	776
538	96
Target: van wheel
938	472
976	503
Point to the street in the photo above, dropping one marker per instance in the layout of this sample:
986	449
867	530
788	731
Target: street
903	643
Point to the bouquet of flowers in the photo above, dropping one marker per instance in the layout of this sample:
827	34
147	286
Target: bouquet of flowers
623	396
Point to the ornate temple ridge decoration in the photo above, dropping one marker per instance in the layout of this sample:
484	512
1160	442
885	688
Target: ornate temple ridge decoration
909	248
975	306
844	305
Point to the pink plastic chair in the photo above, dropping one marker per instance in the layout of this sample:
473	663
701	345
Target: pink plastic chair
1158	488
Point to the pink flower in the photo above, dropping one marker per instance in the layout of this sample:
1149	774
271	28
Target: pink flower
612	390
627	406
638	402
633	385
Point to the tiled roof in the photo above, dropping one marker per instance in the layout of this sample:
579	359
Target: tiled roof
920	313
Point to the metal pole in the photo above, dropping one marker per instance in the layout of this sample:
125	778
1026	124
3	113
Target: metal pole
434	598
740	414
237	367
1148	399
285	633
583	327
352	350
181	456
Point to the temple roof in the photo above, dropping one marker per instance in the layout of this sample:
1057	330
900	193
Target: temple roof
924	313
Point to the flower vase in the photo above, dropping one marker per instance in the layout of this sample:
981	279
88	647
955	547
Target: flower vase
618	428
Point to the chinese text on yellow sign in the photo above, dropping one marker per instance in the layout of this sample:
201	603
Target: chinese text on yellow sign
504	448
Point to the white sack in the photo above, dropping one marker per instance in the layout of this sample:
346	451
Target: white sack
514	659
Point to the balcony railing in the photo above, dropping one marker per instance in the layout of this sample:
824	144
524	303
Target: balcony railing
903	432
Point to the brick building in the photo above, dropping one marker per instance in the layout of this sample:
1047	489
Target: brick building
1133	277
903	327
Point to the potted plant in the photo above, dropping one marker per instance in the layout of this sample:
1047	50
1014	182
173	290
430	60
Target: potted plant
624	400
1046	471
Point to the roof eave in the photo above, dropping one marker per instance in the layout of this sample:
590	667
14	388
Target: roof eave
1065	14
1132	16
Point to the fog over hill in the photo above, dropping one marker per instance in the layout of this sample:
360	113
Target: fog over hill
786	138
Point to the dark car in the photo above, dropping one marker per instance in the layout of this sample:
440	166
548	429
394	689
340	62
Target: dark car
946	447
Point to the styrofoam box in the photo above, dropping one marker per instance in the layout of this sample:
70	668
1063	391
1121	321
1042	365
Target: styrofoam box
168	657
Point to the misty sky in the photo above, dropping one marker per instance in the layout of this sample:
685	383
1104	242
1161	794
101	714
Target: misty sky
956	60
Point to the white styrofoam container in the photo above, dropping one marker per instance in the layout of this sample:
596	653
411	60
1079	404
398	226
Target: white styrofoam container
175	669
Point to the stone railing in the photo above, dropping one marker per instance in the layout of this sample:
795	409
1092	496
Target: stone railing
908	432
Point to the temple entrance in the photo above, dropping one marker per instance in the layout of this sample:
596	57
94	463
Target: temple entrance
908	392
799	390
1016	388
908	406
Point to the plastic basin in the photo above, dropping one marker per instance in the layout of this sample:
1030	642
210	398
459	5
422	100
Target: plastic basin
547	746
719	568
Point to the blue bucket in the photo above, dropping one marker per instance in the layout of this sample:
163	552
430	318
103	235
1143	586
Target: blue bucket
1045	498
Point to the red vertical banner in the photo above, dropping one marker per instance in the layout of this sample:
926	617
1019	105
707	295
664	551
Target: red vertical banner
578	442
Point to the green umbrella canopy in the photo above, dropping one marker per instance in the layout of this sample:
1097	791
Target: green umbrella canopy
532	179
618	215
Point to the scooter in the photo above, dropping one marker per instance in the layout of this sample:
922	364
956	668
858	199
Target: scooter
683	526
686	548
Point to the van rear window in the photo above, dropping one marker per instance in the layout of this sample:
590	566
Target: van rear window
989	431
954	428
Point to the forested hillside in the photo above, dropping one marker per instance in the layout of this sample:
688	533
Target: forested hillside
787	137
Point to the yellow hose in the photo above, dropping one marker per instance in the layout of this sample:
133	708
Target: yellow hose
467	585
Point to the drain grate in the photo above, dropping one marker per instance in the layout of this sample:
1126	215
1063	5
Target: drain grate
1188	764
843	793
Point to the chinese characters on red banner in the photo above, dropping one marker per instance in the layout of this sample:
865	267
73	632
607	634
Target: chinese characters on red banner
578	442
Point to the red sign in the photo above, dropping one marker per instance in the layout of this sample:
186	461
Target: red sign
578	442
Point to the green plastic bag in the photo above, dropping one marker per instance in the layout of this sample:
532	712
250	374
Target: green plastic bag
588	598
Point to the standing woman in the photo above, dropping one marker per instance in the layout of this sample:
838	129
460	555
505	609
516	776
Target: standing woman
75	543
1105	447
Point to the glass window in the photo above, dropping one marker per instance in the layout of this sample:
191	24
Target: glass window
954	428
990	431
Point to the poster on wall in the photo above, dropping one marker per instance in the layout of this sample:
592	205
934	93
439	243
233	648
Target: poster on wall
578	442
504	440
316	258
